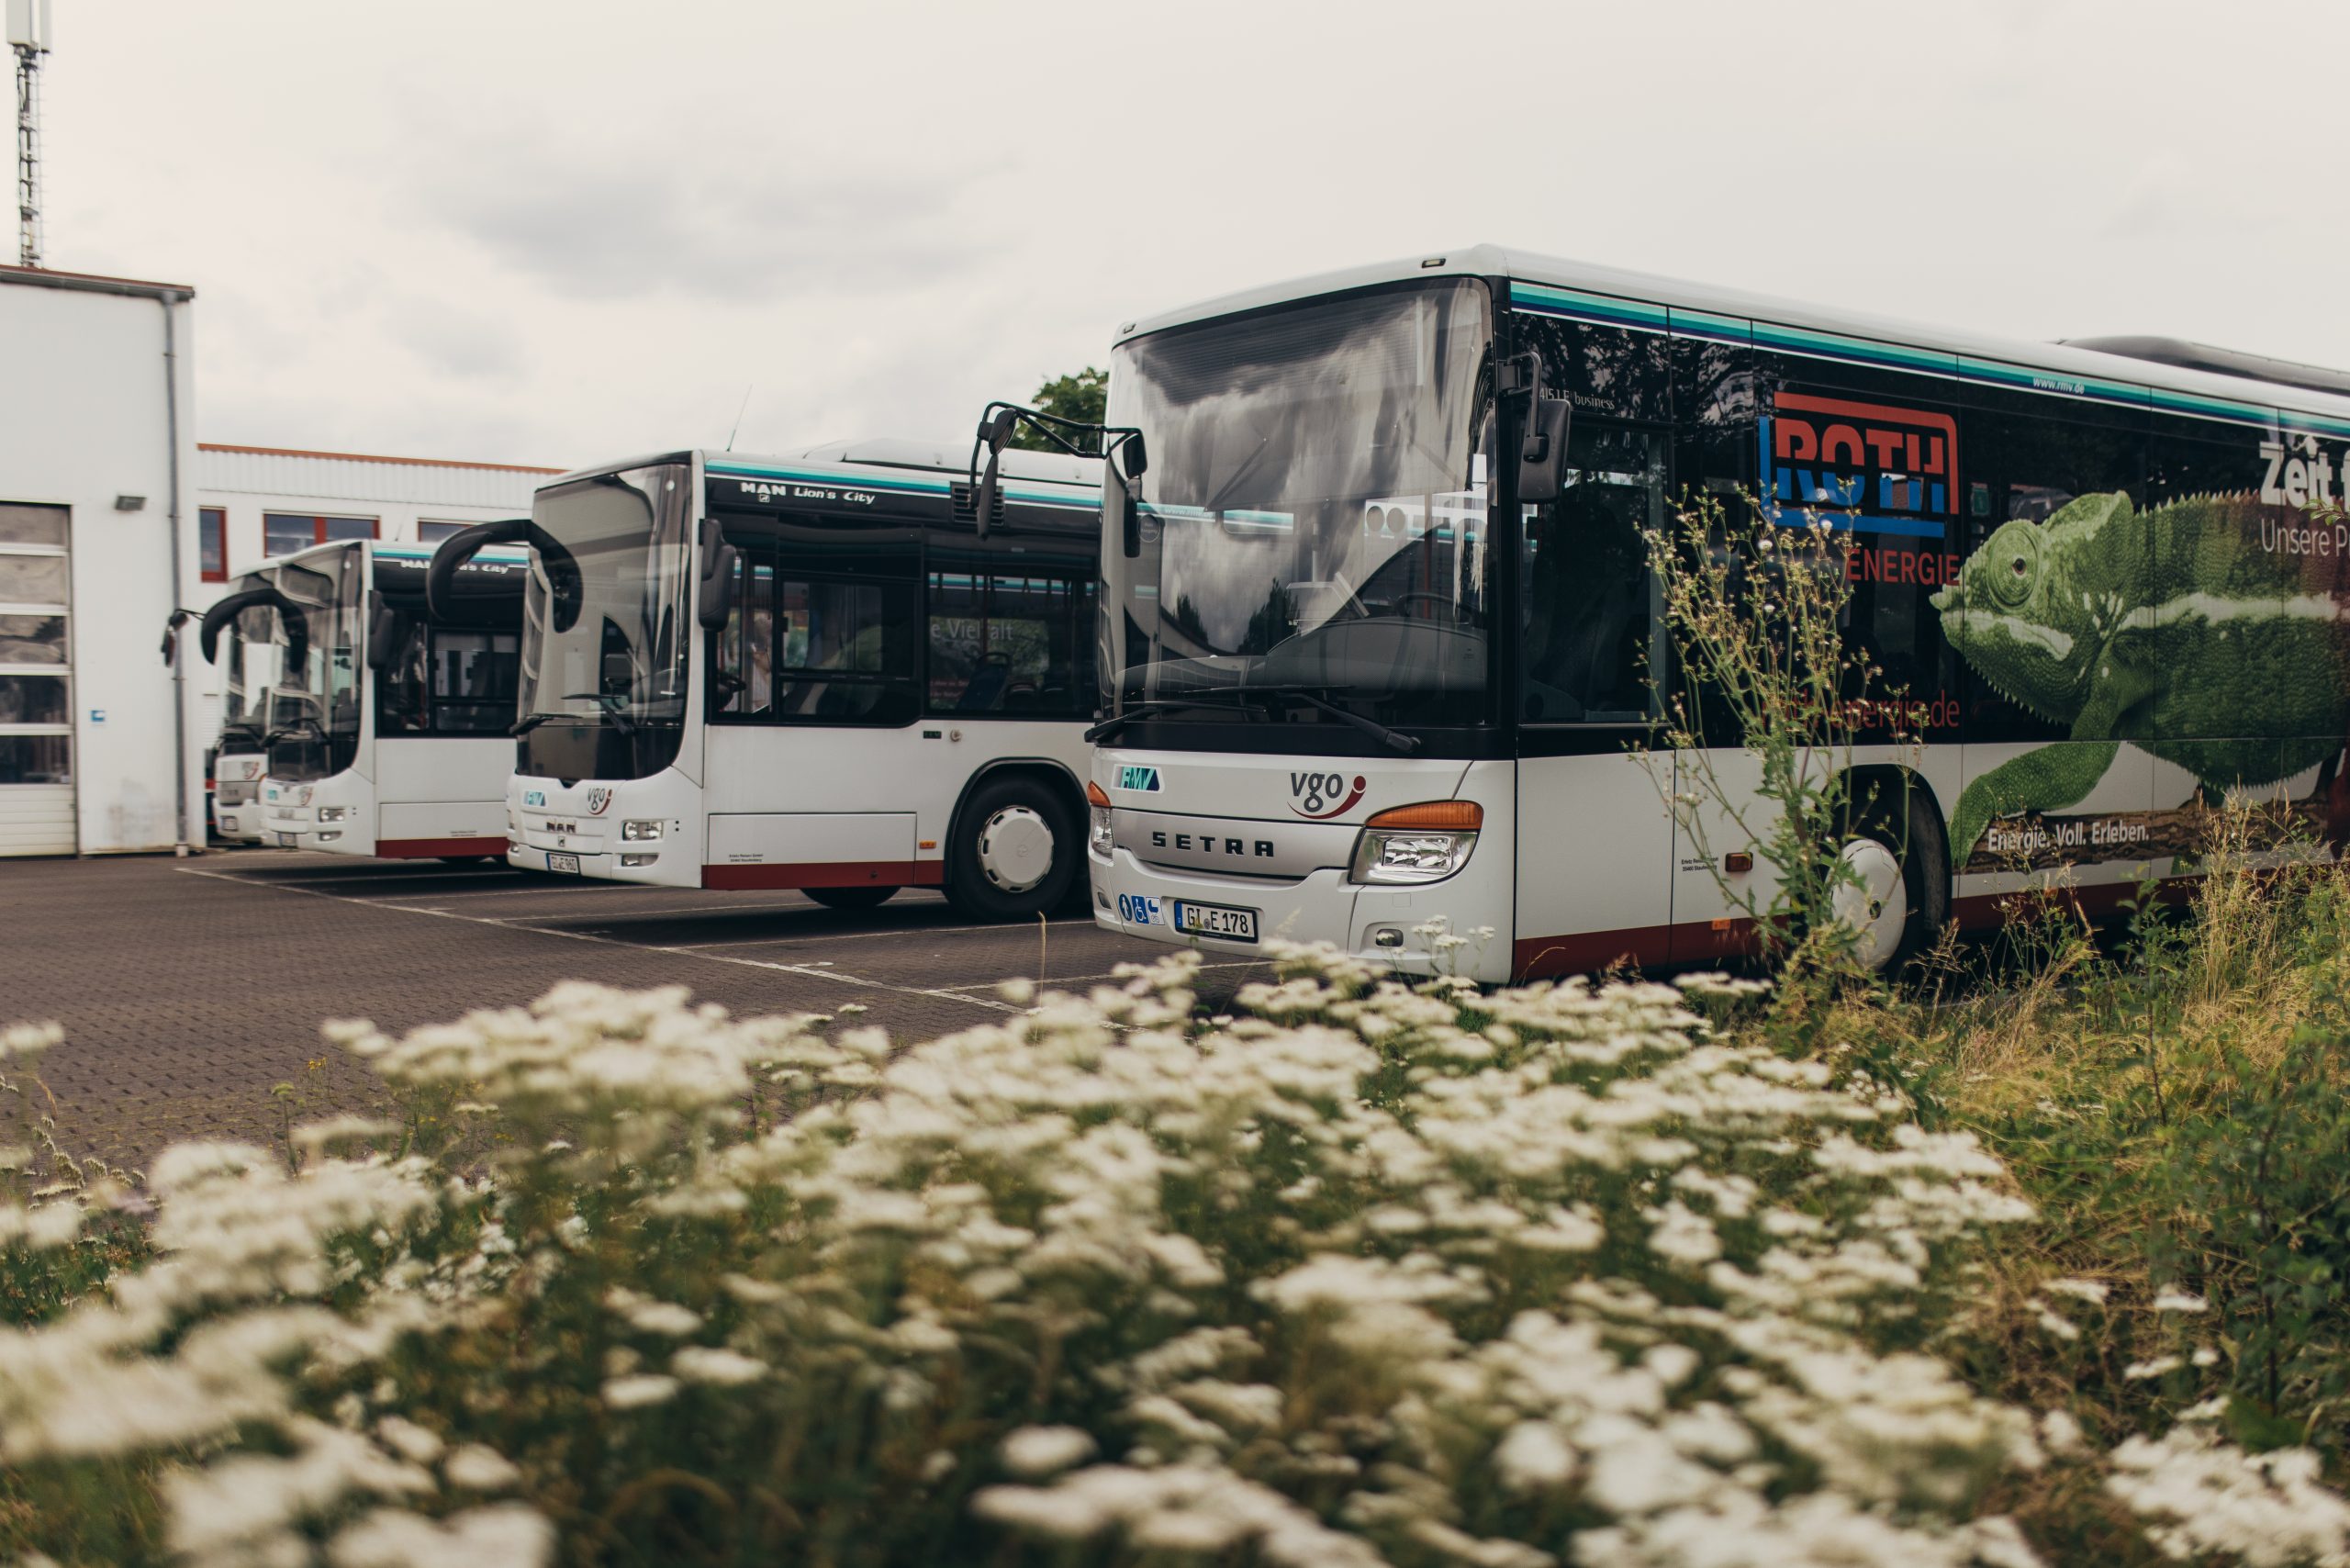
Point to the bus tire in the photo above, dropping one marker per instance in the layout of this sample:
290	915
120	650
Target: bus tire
1015	850
1897	914
850	898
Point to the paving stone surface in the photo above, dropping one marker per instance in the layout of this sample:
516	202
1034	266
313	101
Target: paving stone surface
190	989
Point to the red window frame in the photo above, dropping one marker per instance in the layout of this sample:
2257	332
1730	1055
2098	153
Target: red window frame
318	525
212	528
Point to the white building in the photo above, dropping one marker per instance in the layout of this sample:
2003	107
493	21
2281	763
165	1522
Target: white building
254	503
111	516
99	748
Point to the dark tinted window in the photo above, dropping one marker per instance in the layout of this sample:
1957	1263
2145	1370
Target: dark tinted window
1009	641
2017	469
1592	641
823	630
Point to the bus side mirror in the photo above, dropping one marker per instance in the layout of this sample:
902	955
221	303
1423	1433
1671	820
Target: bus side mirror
717	586
1542	462
172	631
1131	458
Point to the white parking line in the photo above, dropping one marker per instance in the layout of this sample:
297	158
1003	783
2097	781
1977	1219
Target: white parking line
814	972
1074	980
862	936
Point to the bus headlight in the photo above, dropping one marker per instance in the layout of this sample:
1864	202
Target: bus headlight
333	813
1425	843
635	830
1097	833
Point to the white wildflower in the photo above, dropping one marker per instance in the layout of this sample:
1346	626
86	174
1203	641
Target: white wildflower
1034	1452
638	1390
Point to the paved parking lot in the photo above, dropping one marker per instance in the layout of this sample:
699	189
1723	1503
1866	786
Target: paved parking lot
188	989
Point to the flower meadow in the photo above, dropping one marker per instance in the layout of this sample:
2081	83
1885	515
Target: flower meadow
1362	1274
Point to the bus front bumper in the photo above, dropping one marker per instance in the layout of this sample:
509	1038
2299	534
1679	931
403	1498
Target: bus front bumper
1137	900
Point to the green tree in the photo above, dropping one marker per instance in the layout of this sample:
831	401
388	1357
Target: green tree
1083	397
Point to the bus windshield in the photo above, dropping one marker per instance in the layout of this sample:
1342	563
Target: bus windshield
1313	520
314	708
604	626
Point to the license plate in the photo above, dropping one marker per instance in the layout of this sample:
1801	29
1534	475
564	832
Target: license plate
287	840
1135	909
1214	920
564	863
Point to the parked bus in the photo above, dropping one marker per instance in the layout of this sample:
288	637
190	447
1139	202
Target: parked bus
235	636
818	672
387	727
1381	635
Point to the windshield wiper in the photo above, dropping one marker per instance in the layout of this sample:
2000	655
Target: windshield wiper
610	704
1394	740
525	725
1119	721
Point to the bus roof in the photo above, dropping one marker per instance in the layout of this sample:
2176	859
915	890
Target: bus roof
1642	302
849	459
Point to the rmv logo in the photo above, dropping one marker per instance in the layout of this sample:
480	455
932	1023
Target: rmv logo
1323	795
1861	465
1132	777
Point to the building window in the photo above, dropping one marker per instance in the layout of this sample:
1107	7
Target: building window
35	693
433	533
283	533
212	542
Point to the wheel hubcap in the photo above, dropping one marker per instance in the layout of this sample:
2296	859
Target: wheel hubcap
1016	849
1877	911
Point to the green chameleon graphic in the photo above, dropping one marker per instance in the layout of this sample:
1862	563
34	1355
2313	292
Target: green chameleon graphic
2140	626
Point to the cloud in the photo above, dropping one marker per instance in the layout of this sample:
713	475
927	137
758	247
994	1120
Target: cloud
592	222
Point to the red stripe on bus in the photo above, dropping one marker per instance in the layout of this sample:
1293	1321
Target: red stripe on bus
1697	941
829	874
431	848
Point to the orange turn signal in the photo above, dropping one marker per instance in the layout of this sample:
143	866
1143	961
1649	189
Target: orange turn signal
1435	816
1095	797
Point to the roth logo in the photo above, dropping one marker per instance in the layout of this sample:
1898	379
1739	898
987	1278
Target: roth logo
1320	795
1131	776
1865	466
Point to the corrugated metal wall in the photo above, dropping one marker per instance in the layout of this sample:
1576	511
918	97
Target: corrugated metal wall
328	477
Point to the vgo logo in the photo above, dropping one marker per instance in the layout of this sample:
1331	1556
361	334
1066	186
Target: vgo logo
1132	776
1321	795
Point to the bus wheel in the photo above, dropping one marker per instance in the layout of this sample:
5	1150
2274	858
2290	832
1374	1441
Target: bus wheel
1903	896
1014	851
850	898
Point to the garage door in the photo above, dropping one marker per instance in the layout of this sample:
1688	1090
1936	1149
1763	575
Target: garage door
36	683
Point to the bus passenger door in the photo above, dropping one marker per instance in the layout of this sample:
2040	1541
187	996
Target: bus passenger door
1594	840
814	697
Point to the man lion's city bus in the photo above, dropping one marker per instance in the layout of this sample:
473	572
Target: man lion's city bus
248	668
388	723
818	672
1381	640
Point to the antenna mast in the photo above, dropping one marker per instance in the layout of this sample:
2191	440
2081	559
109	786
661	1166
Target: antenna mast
29	35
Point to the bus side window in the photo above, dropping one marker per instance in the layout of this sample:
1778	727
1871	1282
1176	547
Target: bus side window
744	681
1593	642
1010	643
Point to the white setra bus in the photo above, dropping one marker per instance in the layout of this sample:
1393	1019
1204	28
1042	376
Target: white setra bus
822	672
1380	640
386	726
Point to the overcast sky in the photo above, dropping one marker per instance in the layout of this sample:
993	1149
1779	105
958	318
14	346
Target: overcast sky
564	232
